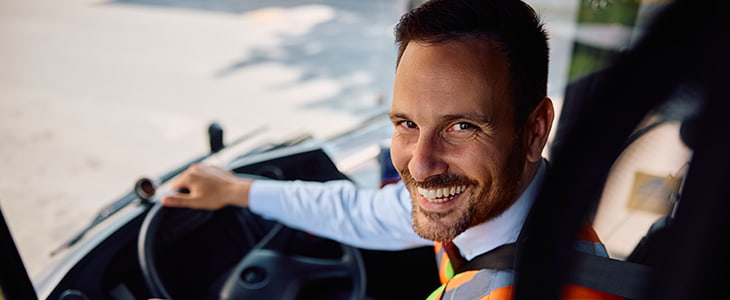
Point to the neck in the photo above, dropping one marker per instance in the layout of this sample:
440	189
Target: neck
528	174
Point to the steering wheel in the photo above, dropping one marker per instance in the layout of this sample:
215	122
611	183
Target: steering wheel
266	272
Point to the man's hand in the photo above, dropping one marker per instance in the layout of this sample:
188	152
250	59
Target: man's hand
210	188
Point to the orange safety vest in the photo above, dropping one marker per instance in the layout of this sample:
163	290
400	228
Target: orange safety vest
488	284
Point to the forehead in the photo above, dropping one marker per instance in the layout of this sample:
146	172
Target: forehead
454	75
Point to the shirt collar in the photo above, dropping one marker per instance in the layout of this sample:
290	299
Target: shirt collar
503	229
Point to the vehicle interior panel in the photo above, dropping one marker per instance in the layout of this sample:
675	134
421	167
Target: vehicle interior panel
115	263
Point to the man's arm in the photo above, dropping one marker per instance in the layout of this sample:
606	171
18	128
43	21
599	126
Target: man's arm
373	219
366	218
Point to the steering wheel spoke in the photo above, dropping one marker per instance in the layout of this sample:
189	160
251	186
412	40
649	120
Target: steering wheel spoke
319	268
267	272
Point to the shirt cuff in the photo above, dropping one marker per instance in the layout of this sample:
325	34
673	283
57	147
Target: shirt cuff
264	198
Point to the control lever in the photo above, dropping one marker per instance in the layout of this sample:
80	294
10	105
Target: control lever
145	188
215	137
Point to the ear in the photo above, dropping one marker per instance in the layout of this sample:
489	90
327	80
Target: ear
538	128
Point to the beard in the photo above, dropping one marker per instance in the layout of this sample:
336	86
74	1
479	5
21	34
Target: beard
480	203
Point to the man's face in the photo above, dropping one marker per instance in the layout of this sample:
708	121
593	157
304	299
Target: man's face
455	143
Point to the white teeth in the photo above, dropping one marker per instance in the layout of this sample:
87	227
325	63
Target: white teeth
441	194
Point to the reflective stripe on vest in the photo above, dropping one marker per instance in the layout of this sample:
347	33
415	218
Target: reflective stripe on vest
446	271
497	284
474	284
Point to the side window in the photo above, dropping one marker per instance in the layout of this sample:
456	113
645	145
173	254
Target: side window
643	185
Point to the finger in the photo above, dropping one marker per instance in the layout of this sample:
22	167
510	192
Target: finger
181	182
177	200
185	178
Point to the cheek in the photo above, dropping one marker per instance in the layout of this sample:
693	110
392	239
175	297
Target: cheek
477	164
398	154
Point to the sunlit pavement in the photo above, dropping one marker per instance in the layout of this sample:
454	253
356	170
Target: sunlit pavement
95	93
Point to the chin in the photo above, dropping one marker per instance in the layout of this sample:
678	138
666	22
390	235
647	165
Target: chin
438	228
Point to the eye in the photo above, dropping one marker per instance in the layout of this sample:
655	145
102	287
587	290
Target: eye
460	126
460	132
408	124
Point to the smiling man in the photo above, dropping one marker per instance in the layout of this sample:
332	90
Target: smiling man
471	119
463	161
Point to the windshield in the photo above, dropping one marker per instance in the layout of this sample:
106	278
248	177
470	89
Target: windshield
96	94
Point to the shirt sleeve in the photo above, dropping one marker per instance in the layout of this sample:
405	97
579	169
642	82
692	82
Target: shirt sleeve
370	219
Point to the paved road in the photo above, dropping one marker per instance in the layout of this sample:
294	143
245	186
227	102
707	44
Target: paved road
94	94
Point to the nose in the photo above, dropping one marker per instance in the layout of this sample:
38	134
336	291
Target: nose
427	158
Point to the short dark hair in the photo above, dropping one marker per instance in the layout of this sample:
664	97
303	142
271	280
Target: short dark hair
513	24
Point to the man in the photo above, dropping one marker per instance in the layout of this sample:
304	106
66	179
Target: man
471	119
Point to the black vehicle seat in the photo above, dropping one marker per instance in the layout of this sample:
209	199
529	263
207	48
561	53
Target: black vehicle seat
651	245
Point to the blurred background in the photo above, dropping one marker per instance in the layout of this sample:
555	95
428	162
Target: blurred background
95	94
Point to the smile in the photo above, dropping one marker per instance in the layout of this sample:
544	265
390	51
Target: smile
441	194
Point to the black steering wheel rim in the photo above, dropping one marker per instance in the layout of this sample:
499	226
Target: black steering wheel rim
267	250
145	252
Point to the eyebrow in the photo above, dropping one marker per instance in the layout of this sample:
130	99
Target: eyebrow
479	118
394	116
474	117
